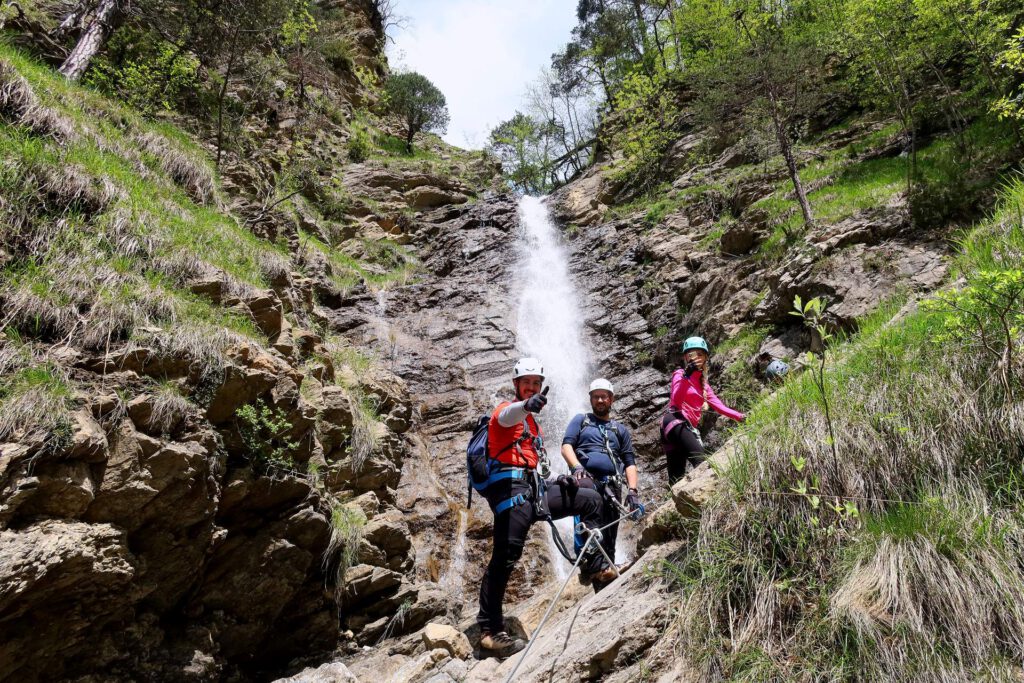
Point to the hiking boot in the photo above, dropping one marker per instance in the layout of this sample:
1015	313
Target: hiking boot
501	644
602	576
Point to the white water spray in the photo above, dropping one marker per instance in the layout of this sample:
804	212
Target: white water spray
548	328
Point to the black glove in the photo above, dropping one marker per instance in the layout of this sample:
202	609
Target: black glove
535	403
634	504
567	482
690	368
580	473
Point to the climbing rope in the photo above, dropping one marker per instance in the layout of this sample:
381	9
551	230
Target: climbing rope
593	536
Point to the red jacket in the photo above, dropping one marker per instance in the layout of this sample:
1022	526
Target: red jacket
688	397
499	438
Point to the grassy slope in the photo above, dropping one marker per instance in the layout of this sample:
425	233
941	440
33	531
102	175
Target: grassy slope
901	560
106	219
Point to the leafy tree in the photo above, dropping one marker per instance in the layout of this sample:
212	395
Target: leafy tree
518	143
756	61
1011	60
418	102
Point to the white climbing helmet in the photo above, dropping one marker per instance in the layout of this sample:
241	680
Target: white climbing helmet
602	383
527	366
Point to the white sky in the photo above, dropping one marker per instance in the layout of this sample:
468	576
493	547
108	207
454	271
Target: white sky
481	54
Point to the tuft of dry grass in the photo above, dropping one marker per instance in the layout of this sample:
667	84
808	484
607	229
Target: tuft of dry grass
20	105
35	404
944	576
170	409
191	174
342	553
811	566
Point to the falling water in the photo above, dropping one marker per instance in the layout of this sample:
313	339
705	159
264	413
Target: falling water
452	579
548	328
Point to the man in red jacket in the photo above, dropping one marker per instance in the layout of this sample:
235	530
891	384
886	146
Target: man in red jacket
519	498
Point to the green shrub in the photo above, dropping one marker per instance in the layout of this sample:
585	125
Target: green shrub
359	145
338	52
264	435
150	74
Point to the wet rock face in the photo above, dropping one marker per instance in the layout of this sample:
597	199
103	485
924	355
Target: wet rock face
455	345
647	287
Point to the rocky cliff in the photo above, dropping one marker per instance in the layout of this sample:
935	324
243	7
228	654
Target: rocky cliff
233	414
198	462
695	263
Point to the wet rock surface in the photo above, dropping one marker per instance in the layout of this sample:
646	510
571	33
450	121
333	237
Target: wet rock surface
645	287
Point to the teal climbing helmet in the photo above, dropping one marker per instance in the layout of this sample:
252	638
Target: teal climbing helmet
696	343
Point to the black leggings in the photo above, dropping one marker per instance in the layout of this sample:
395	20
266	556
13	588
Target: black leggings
683	447
510	530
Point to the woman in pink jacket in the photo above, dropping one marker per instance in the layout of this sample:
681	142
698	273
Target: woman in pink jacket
691	396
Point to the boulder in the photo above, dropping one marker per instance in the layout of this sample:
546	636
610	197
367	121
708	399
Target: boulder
251	374
61	583
88	440
693	491
333	672
335	423
428	197
740	238
391	535
447	638
63	489
362	582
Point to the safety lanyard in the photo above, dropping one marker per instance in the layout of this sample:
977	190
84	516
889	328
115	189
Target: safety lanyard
603	428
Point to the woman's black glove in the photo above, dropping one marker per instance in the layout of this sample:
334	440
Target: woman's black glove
690	368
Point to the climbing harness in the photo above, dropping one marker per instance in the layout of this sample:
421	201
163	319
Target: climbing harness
594	536
485	469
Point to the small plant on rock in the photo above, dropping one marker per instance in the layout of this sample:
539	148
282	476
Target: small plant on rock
347	523
264	435
813	313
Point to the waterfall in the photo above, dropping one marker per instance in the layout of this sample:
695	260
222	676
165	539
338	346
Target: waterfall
548	328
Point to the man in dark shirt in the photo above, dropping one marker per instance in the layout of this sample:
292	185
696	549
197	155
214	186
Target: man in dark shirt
600	450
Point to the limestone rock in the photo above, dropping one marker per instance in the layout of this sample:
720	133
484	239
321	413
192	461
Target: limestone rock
427	197
88	441
693	491
447	638
585	201
334	672
59	583
363	582
335	424
390	534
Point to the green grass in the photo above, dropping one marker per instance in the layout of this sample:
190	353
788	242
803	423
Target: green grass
113	221
917	570
35	401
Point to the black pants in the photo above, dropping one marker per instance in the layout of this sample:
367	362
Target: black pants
683	447
510	530
609	513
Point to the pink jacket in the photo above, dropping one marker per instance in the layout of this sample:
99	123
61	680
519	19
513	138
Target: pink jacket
688	397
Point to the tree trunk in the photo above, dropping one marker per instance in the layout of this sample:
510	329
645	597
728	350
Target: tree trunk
93	38
787	153
408	138
222	95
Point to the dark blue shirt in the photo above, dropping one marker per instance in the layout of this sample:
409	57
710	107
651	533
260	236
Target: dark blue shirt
591	448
